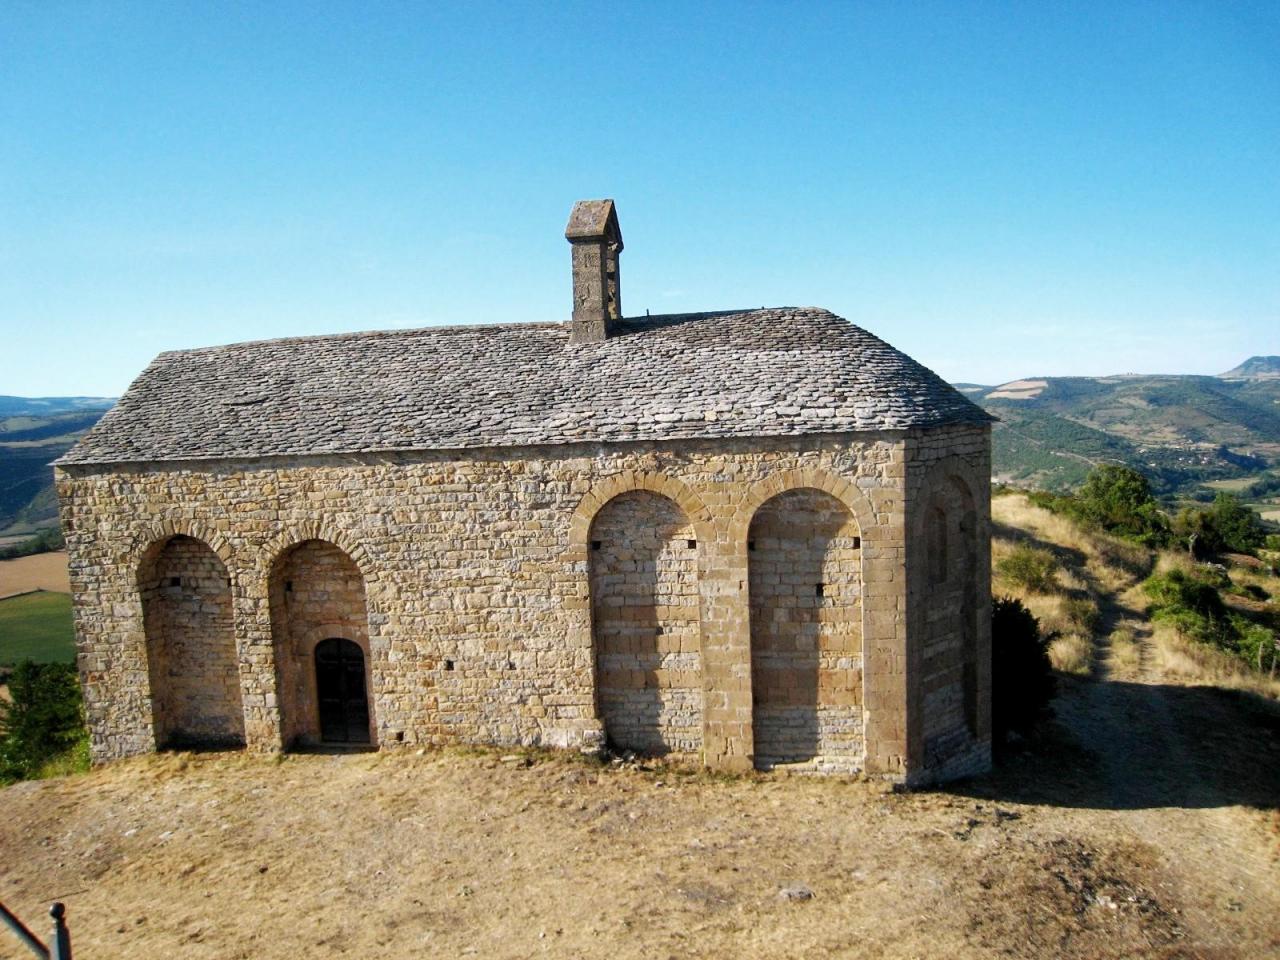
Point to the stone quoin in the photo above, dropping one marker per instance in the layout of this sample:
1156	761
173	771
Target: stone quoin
743	538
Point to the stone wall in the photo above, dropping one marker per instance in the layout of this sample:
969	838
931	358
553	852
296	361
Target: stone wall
476	568
949	560
806	632
316	592
644	610
191	647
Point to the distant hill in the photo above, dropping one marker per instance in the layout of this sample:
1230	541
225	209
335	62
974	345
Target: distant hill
1181	430
47	406
1255	368
33	433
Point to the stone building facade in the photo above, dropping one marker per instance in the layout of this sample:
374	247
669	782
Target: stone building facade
752	538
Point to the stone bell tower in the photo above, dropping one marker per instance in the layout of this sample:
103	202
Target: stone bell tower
596	242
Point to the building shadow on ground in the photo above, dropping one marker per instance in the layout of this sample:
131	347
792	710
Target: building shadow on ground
1126	746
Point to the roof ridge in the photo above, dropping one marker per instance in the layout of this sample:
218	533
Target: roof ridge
463	327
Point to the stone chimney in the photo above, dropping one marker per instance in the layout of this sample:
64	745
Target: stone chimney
596	242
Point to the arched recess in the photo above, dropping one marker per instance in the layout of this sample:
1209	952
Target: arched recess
805	588
317	593
949	674
191	648
646	629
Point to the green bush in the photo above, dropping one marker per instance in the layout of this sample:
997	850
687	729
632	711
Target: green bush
1227	524
1257	644
1022	679
44	721
1193	605
1119	500
1029	567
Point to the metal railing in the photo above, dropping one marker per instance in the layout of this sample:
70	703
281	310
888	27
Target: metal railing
61	944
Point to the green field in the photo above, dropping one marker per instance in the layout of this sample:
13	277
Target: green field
36	626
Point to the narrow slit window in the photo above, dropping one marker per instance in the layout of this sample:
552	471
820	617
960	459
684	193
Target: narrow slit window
595	544
448	664
818	590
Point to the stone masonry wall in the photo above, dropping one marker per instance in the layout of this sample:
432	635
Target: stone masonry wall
191	647
949	559
476	570
806	632
644	609
316	592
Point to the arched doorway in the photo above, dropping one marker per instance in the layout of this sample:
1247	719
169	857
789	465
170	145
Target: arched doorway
341	692
318	614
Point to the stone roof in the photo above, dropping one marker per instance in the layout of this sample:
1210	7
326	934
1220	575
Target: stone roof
754	373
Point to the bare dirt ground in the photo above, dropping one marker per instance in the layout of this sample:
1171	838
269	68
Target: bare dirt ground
42	571
1144	825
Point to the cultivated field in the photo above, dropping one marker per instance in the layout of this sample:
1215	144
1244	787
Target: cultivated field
43	571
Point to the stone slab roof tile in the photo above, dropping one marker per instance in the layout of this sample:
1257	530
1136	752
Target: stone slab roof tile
768	372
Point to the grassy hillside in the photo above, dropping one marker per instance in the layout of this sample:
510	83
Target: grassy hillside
34	433
1180	431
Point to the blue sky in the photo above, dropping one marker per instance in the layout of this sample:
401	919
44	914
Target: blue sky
1000	190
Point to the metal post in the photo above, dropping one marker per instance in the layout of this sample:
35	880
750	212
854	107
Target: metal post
60	947
26	936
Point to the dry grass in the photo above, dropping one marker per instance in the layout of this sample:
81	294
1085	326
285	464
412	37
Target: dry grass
1126	652
43	571
1199	664
1072	653
459	854
1091	569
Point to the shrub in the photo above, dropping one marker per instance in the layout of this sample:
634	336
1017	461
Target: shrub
1029	567
44	720
1258	645
1227	524
1022	679
1119	500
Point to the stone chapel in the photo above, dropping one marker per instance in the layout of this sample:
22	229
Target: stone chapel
741	538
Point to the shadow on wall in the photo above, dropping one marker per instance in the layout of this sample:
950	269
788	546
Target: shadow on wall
645	622
1135	746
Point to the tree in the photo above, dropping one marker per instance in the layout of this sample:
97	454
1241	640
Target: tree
1225	525
43	719
1118	499
1239	528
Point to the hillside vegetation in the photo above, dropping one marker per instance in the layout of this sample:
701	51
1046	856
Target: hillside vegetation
34	433
1183	431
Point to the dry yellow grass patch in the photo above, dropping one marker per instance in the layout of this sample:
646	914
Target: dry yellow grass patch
1072	653
1199	664
1126	653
